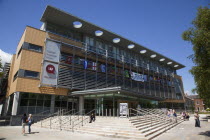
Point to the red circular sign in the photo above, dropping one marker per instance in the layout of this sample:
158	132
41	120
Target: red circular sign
50	69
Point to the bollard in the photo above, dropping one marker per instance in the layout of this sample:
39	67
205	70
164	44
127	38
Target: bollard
50	122
102	112
117	113
82	120
113	112
106	112
109	112
70	119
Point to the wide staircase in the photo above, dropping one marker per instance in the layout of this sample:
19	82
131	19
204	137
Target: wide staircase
143	124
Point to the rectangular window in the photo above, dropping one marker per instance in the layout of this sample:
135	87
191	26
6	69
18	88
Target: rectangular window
35	48
31	74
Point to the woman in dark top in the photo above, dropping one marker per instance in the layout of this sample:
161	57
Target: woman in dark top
24	122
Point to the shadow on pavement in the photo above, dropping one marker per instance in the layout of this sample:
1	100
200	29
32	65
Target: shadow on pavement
207	133
31	133
2	138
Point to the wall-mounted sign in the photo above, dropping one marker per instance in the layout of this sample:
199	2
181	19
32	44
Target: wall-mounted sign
137	77
50	73
52	51
123	109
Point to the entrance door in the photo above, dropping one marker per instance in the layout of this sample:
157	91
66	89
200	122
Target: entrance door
73	104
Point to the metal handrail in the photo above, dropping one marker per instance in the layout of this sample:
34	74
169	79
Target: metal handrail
151	117
50	116
82	121
41	113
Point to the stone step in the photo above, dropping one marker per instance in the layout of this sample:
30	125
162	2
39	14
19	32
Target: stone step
114	135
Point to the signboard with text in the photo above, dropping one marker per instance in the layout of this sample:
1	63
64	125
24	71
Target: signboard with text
50	63
123	109
52	51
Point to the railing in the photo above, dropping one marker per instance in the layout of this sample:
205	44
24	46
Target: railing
58	114
84	119
150	115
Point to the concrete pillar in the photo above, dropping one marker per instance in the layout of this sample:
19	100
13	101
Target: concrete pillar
6	106
81	104
52	105
15	103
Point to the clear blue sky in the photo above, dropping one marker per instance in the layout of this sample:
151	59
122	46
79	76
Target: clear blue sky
156	24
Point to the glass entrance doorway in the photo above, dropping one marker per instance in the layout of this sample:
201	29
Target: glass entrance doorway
72	104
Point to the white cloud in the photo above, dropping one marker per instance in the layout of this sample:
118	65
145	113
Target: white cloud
5	57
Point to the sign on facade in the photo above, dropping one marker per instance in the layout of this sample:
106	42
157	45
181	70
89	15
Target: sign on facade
52	51
50	63
50	73
123	109
137	77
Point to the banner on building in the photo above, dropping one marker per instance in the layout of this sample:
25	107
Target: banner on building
123	109
103	68
94	66
52	51
49	73
137	77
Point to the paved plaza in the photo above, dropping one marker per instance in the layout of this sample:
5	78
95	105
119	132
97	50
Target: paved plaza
187	131
184	131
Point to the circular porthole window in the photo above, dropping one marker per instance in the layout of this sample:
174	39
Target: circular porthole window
162	59
153	56
116	40
169	63
98	33
77	24
131	46
143	51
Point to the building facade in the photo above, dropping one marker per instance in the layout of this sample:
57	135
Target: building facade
198	102
70	63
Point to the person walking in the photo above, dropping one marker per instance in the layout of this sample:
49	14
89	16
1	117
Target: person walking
175	116
24	121
197	121
30	122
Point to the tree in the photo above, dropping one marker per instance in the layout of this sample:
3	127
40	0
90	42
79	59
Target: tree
199	37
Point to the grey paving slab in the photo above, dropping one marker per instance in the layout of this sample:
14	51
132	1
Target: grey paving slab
184	131
188	131
14	133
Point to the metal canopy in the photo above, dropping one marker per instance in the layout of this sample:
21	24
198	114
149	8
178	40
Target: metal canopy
62	18
116	90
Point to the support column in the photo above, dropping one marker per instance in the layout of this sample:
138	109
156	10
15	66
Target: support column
81	104
52	105
6	106
15	103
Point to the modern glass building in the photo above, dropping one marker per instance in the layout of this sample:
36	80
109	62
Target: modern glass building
70	63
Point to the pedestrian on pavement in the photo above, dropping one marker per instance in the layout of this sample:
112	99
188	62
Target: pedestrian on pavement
24	122
175	115
30	122
197	121
91	118
187	116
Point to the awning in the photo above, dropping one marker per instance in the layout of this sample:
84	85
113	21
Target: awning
115	90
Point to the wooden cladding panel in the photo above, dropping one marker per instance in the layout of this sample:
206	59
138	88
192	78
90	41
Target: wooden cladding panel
31	60
32	85
35	36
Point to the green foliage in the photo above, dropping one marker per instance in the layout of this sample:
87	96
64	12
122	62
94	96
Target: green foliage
199	37
207	109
